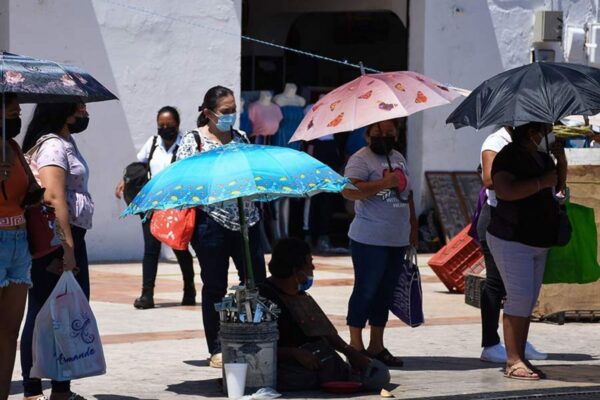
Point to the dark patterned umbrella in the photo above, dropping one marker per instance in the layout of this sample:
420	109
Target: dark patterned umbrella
43	81
538	92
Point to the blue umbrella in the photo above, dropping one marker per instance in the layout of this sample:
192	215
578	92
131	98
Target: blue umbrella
43	81
235	172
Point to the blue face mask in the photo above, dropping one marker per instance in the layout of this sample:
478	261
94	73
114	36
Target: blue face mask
226	122
306	285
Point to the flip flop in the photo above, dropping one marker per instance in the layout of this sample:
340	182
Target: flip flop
511	373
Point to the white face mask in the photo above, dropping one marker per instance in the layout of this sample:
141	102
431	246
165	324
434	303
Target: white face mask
545	145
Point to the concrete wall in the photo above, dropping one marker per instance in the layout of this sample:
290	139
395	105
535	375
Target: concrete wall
4	25
148	61
462	43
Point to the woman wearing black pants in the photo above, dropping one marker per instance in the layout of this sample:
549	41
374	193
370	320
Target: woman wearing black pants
64	173
159	152
493	291
217	237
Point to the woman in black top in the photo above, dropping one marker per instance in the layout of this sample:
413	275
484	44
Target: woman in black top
523	227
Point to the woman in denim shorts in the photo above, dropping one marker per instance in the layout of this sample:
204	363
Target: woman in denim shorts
15	260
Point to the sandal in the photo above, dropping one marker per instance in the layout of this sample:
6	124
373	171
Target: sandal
511	373
536	370
387	358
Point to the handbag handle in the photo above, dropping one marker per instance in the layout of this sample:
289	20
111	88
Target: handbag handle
411	256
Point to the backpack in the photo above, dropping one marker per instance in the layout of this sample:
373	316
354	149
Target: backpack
137	174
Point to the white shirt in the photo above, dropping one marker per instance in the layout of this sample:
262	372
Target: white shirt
162	156
495	142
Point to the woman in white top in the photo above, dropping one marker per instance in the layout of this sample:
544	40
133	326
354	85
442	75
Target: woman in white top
159	152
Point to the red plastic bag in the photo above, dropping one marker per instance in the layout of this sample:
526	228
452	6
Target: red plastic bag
174	227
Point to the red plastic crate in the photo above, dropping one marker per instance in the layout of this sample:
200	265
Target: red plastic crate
461	256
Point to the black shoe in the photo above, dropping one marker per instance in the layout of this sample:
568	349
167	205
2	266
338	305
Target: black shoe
146	300
189	295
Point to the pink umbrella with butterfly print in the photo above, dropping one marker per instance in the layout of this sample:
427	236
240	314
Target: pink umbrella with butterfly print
372	98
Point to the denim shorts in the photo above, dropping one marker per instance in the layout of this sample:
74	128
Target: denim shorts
15	259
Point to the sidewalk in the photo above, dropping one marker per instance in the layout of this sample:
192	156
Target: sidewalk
161	354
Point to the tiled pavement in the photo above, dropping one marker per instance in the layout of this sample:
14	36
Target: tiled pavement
160	353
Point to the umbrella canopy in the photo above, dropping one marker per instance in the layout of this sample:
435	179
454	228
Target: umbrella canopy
233	171
537	92
42	81
372	98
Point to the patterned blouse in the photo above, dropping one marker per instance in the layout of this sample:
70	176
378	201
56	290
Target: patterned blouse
225	213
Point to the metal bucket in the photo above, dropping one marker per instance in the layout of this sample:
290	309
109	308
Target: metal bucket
254	344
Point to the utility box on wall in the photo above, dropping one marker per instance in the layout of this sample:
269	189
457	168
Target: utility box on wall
548	26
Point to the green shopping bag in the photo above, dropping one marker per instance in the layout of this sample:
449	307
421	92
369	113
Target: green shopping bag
576	262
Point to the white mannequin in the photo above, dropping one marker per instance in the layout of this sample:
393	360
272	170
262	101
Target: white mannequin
265	97
289	97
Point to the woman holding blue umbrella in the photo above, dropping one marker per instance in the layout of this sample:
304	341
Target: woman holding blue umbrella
217	237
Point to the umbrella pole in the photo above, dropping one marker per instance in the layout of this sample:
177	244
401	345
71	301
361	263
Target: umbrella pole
246	244
3	128
4	142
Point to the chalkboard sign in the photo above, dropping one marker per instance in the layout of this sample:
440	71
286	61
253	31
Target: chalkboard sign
469	186
447	203
455	195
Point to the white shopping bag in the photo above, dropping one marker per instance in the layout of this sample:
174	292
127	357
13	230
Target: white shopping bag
66	341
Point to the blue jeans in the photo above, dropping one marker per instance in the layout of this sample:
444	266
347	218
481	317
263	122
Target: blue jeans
43	284
15	260
214	245
376	272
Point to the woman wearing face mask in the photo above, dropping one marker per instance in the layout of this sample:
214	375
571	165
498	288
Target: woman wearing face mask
64	173
306	351
524	224
384	225
217	236
15	261
160	151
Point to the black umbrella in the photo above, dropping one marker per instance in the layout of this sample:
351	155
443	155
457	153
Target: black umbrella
43	81
538	92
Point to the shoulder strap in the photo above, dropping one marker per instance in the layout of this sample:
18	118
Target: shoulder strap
153	148
174	157
31	152
242	136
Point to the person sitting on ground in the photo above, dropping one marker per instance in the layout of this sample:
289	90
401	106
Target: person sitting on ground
308	341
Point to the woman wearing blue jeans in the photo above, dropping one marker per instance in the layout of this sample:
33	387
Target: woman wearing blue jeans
384	225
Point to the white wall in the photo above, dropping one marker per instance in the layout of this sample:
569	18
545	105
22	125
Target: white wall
148	62
462	43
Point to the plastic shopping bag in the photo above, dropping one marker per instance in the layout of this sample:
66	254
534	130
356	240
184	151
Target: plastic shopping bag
66	341
577	262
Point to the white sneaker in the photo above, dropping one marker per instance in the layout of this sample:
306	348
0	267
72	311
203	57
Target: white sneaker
532	354
494	354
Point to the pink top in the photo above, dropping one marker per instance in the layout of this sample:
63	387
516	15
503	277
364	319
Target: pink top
63	153
265	118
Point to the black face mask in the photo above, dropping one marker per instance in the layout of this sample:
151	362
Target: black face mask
13	127
382	145
168	133
80	124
